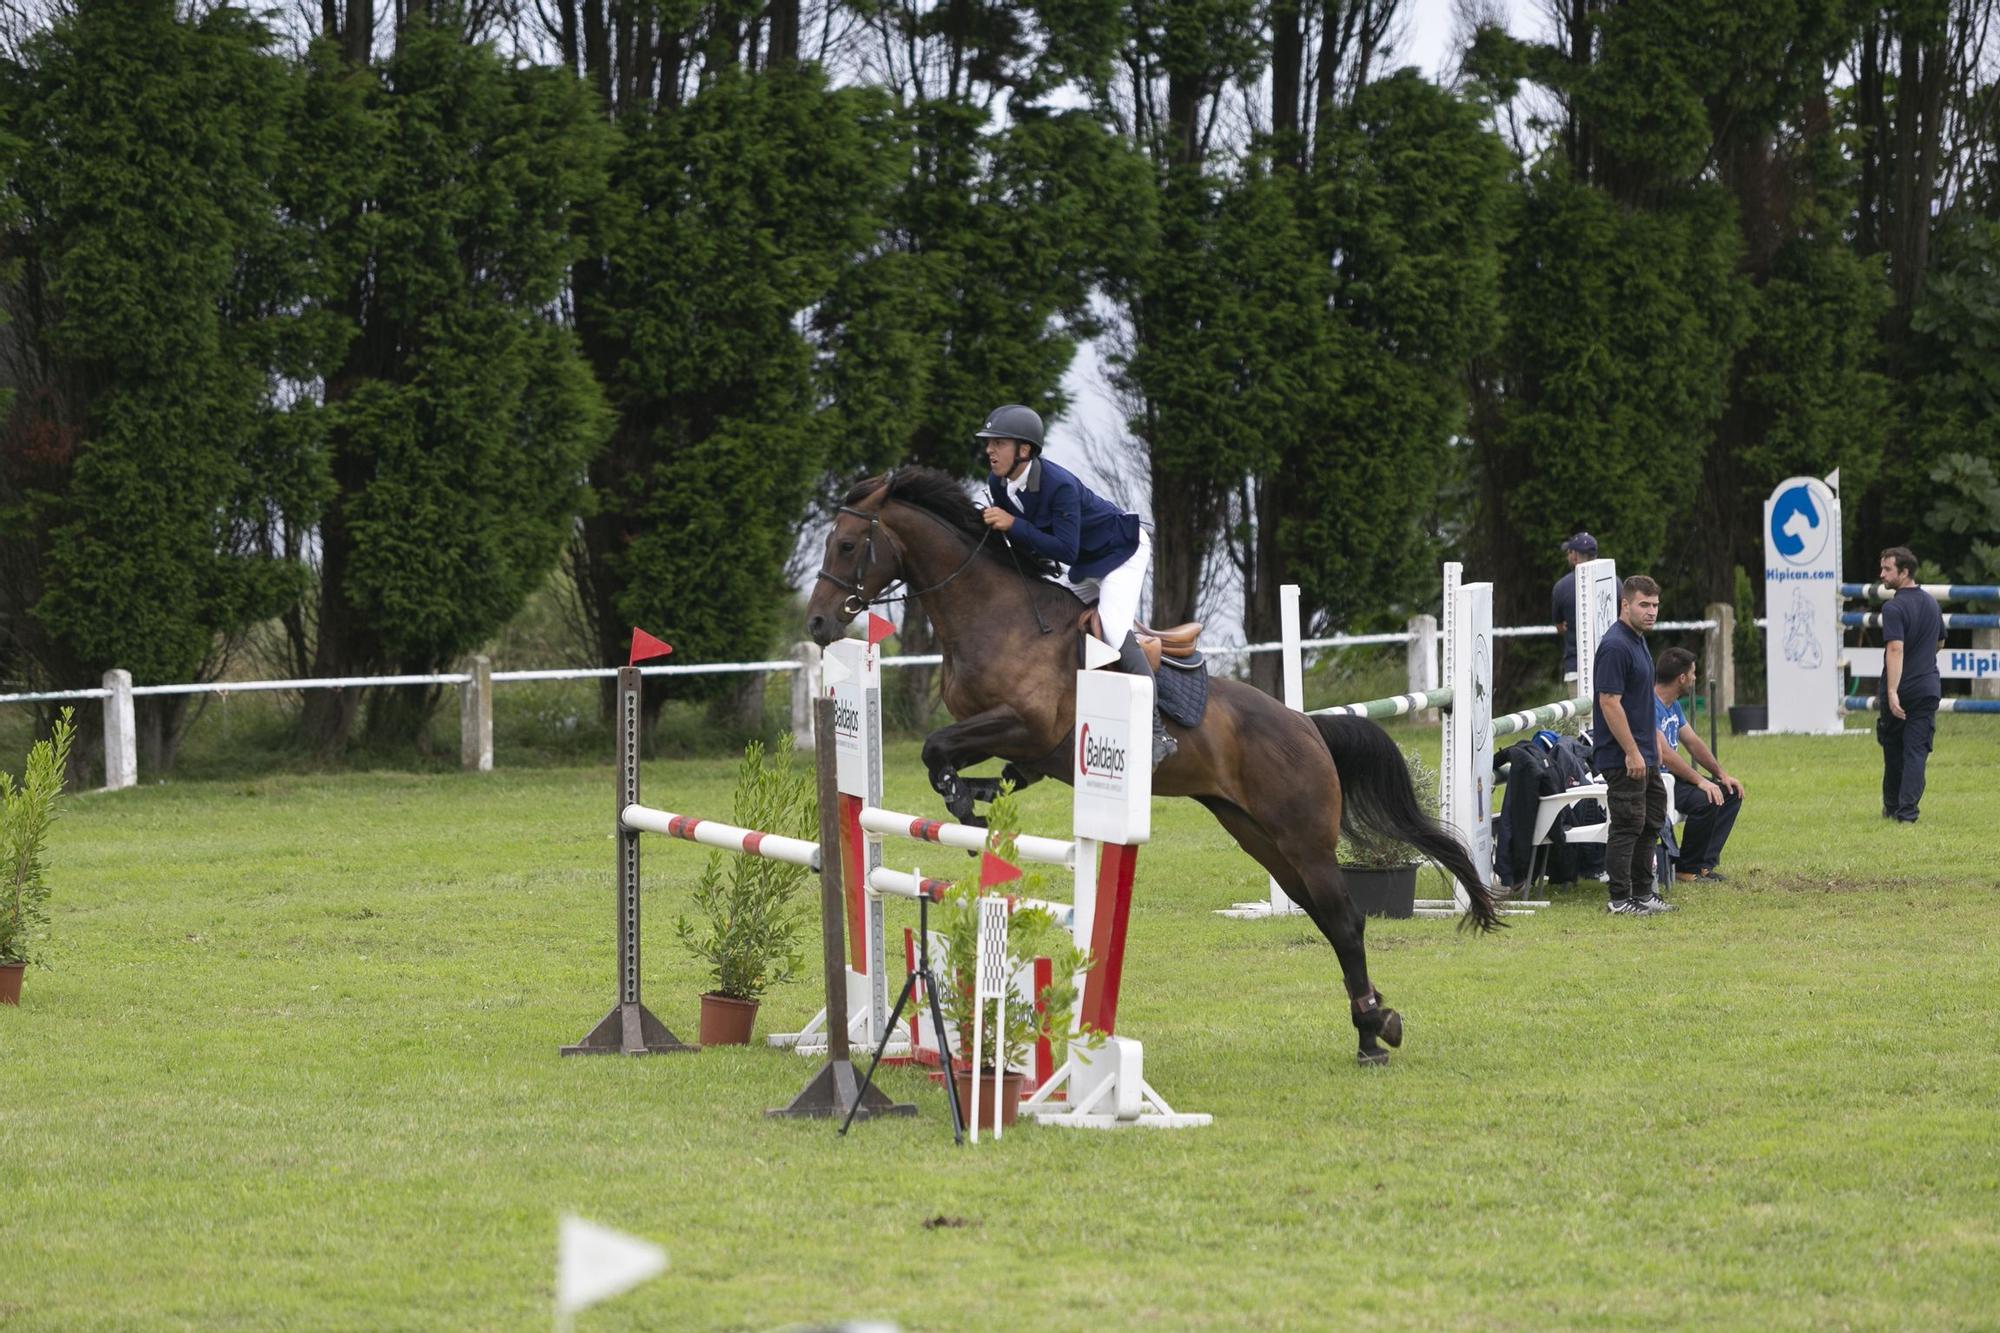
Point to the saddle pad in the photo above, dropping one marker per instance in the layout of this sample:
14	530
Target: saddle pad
1181	692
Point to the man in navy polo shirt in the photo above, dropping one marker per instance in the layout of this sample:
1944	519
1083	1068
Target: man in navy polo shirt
1912	626
1626	751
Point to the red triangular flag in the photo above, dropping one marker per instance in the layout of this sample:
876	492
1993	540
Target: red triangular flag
645	646
878	628
993	870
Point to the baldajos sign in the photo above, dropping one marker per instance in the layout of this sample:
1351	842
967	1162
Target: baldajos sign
1114	730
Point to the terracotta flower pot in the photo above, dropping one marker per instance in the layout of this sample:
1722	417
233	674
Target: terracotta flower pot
1009	1099
10	982
726	1021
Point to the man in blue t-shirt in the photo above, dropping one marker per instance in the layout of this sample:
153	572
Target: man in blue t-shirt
1626	750
1708	809
1912	627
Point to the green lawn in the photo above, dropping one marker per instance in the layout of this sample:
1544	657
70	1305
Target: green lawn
296	1068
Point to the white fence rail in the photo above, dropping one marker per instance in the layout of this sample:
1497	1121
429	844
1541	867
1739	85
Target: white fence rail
121	765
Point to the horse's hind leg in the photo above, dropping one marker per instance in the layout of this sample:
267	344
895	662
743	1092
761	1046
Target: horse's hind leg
1319	893
1325	897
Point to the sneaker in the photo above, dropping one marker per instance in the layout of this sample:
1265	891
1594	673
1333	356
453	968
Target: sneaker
1652	904
1711	876
1624	907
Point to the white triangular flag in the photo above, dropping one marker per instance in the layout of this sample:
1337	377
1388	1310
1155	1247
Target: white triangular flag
595	1263
1097	653
832	670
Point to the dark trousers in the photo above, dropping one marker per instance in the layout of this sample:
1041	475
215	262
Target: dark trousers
1638	808
1906	744
1705	827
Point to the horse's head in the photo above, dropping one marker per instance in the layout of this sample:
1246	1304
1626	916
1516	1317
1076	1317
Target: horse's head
861	559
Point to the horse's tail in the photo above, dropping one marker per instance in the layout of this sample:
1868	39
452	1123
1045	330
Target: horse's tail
1379	800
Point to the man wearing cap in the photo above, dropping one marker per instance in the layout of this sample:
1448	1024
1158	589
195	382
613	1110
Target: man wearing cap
1576	550
1102	549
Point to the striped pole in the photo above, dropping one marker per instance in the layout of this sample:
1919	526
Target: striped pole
1868	703
893	824
1540	717
726	837
1943	592
1952	620
1396	705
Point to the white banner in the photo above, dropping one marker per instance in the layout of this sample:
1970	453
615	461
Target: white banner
1802	602
1114	758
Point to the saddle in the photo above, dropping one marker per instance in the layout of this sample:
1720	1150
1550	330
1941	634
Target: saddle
1177	643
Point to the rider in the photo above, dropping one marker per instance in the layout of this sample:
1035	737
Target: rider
1045	508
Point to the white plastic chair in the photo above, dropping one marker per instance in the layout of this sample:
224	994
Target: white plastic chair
1546	813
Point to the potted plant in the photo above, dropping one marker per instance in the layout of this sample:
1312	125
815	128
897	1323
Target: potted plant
26	812
1032	932
748	911
1381	874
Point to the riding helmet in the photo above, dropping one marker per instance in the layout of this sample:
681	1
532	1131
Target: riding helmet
1013	422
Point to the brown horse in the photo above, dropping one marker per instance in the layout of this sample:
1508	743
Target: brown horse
1273	777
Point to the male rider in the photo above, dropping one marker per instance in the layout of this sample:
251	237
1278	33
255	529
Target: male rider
1046	509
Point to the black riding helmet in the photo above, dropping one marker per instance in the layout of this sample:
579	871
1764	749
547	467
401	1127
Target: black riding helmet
1013	422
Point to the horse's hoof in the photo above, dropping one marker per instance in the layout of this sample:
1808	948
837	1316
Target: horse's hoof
1392	1027
1374	1057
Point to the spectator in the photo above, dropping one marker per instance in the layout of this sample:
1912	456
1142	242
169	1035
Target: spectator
1710	808
1576	550
1912	627
1627	754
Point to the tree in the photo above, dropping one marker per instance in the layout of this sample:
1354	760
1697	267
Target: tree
441	199
153	295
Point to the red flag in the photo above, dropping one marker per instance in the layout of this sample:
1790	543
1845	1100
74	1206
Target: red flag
878	628
645	646
993	870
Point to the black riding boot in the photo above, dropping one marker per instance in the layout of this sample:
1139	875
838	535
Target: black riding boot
1132	662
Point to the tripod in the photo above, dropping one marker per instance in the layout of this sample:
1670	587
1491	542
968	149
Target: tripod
924	974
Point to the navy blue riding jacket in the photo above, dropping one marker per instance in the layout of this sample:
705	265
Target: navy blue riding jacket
1062	519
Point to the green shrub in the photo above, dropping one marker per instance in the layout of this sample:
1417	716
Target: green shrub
749	910
26	813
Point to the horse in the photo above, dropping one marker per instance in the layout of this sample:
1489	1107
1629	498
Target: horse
1283	784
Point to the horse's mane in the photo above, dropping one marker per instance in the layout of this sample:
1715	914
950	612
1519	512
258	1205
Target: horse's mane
942	496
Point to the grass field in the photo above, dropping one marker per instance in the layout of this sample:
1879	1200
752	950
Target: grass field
296	1068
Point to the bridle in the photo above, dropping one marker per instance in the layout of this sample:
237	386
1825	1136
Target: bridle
858	601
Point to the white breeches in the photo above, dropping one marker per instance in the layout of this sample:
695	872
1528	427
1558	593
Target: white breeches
1120	591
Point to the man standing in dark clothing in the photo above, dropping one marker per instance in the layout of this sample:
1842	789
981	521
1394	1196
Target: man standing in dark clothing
1912	627
1562	602
1626	754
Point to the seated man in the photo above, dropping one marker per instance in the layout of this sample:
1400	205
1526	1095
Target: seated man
1710	808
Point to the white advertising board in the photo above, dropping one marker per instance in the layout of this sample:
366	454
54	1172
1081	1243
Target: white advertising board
1114	757
1802	603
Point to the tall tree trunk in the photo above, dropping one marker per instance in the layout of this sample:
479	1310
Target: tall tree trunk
358	36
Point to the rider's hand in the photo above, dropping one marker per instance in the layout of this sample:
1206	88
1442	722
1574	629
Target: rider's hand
996	517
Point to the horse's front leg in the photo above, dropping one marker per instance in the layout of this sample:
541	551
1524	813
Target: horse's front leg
971	741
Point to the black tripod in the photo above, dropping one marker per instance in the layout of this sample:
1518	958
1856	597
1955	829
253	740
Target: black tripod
923	973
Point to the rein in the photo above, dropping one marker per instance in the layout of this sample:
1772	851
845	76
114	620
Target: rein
856	602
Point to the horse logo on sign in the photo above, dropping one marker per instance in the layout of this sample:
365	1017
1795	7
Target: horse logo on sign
1798	526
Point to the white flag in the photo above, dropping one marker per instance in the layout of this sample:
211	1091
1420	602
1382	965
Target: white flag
595	1263
1097	653
832	671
